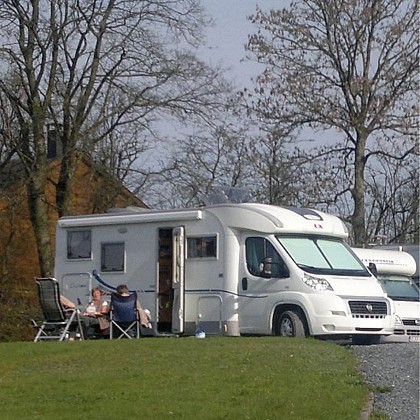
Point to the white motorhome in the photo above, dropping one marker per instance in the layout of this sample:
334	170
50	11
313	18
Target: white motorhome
412	249
232	269
395	270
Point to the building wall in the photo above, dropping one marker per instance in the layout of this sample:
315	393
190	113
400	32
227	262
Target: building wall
92	192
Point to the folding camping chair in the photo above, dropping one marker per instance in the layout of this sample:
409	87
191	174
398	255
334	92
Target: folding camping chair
124	317
57	319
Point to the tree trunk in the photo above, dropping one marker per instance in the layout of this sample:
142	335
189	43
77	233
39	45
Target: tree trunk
38	210
358	192
63	195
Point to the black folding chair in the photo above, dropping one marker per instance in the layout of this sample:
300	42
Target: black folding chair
58	321
124	317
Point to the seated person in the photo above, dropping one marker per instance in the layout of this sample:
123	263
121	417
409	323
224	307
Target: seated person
122	290
67	303
96	314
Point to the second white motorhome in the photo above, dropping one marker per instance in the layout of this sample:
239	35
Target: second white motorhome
232	269
412	249
394	269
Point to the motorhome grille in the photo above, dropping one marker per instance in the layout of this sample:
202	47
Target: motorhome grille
408	332
411	322
369	308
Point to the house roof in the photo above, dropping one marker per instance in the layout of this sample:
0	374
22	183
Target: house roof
14	172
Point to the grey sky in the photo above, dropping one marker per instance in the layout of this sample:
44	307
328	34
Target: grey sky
226	40
225	45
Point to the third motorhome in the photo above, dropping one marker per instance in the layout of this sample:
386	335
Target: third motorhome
231	269
395	270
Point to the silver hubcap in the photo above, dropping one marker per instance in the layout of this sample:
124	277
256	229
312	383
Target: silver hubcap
286	328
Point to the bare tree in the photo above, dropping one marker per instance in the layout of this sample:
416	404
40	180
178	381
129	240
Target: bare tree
393	200
281	176
83	69
214	157
347	66
8	127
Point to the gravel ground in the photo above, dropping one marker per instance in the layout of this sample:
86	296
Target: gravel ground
393	372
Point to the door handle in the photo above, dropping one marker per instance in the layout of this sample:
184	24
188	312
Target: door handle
244	283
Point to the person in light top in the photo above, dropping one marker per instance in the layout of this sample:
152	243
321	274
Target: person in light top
96	313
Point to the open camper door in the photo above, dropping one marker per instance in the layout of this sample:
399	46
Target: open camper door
178	264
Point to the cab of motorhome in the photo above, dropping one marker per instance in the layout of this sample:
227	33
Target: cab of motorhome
231	269
394	269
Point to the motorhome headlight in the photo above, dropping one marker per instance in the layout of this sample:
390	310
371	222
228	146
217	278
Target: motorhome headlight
398	320
316	283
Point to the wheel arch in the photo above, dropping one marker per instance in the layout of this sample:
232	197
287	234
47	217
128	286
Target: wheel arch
283	307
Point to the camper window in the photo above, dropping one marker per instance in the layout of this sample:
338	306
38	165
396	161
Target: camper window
202	247
79	244
263	260
112	257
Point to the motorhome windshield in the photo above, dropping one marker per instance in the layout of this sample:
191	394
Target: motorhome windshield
400	288
322	255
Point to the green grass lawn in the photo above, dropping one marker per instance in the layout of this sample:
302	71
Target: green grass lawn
180	378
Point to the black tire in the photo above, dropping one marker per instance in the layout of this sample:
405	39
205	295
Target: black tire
365	339
290	324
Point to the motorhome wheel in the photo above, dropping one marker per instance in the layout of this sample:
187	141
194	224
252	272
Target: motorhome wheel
290	324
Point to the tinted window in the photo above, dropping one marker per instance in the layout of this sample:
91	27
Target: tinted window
112	257
79	244
260	250
400	288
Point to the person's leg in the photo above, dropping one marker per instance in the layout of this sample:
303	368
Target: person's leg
89	325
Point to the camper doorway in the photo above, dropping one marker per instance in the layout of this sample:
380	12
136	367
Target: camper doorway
170	281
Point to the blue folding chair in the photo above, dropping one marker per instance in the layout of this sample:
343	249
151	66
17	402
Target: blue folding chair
124	317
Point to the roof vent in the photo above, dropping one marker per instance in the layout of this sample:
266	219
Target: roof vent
306	213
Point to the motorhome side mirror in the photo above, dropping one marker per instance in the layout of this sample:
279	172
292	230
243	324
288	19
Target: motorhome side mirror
373	269
267	267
